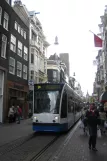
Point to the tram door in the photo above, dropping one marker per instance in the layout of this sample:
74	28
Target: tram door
74	110
64	107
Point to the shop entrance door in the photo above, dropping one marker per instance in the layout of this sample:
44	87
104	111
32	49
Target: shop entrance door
1	94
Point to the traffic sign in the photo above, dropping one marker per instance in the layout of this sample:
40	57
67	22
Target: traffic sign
30	83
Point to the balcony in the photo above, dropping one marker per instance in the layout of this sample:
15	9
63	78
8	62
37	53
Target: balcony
34	43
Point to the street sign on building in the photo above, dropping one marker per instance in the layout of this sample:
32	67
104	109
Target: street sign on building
30	83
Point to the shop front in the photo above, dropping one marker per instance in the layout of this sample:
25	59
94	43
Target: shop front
17	96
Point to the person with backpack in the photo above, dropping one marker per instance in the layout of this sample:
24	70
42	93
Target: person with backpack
92	117
19	114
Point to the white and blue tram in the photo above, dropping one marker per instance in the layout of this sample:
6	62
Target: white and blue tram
56	107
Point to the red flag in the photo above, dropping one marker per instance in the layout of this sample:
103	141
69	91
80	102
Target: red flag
97	41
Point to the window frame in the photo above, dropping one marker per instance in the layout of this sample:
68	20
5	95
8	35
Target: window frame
24	34
24	66
32	58
12	66
19	48
13	42
32	74
19	69
3	54
19	29
6	14
25	56
0	14
16	25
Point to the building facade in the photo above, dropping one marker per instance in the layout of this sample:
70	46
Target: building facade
38	49
18	63
4	49
65	59
56	70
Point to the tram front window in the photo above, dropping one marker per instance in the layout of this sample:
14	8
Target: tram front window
46	102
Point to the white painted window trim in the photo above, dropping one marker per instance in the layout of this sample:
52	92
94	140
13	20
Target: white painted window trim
6	18
4	41
19	67
0	14
20	46
24	71
25	53
11	65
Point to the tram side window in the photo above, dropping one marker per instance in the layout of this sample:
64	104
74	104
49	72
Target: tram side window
64	105
69	105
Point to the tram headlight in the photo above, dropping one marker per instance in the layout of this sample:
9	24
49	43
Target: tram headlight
34	117
56	117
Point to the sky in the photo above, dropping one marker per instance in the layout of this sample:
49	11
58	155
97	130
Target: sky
71	21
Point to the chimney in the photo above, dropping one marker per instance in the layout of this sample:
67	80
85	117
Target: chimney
17	2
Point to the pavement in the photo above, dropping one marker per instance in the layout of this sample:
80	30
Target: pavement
76	148
13	131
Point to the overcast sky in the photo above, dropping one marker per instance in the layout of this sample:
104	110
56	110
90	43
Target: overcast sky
71	21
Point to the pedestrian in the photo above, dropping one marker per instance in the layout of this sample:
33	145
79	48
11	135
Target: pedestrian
11	114
92	116
19	114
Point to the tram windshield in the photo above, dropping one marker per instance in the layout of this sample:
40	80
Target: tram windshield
46	102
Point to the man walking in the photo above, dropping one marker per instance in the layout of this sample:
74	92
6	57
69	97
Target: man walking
92	120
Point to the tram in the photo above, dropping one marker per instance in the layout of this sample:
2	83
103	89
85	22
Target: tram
56	107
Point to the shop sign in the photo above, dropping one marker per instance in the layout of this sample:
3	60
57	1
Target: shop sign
18	87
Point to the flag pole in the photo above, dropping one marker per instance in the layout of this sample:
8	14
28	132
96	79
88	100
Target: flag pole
91	31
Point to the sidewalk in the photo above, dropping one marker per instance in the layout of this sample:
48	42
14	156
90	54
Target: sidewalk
11	132
76	149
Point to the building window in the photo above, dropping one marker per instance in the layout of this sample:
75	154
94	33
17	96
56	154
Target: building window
54	74
3	47
24	72
6	19
24	34
19	50
32	58
0	14
15	25
19	69
19	29
31	74
25	53
13	43
11	65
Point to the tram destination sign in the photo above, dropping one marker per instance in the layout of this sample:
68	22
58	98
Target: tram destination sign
47	87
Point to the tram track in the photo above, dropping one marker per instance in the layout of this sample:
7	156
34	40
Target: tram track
36	156
8	147
29	149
